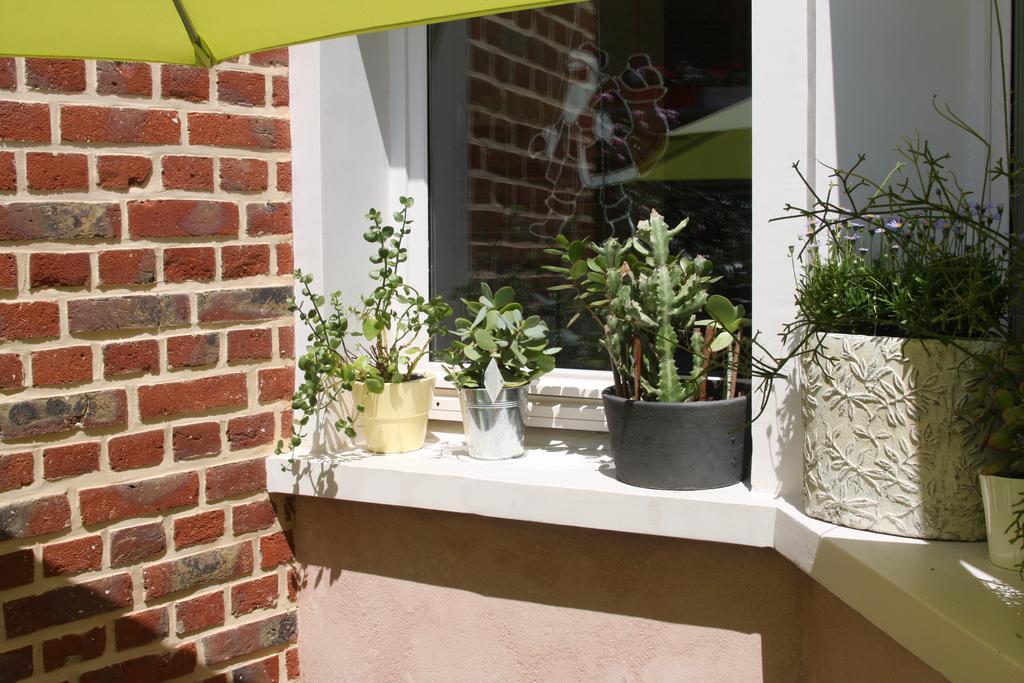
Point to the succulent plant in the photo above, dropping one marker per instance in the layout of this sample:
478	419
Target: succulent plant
381	340
647	300
498	332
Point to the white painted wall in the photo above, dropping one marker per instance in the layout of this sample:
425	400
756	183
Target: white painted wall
833	79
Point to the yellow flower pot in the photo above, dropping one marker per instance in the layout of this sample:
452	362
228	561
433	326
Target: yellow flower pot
395	421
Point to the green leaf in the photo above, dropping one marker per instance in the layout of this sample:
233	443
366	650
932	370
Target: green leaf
722	342
504	296
485	340
578	270
370	330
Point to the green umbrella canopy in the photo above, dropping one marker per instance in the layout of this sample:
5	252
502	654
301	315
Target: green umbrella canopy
204	32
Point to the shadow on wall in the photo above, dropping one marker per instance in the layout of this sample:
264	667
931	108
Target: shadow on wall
89	629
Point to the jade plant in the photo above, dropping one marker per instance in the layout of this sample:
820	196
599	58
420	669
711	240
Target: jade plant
382	339
654	308
499	333
999	413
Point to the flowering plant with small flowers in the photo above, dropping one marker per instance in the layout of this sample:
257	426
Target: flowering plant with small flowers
914	255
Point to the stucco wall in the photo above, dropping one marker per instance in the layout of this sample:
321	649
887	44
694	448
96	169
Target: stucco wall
404	594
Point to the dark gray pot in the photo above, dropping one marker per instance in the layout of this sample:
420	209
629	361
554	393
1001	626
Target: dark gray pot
677	446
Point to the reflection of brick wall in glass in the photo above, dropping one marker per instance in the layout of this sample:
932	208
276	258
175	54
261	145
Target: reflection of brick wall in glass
517	85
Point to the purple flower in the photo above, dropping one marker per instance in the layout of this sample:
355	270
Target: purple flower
894	223
942	224
862	250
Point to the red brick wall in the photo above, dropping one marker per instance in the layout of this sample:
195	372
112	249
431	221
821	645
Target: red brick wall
145	370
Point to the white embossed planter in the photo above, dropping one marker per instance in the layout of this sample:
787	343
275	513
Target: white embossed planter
884	449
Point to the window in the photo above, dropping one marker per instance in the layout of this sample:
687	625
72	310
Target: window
579	119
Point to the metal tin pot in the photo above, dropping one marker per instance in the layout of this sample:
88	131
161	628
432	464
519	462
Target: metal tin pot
494	429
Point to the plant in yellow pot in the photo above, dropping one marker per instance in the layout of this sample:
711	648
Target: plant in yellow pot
360	370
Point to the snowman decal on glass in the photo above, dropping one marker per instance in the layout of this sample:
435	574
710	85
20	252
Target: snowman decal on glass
610	132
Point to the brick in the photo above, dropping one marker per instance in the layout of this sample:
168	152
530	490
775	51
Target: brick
16	569
284	176
291	663
162	218
8	173
250	431
245	260
172	399
285	259
198	529
272	218
276	57
241	87
210	567
136	312
240	305
24	122
55	75
16	664
286	423
15	471
251	517
195	441
184	83
187	173
47	172
127	267
264	671
131	358
66	604
237	175
59	270
136	450
73	557
274	631
8	73
286	341
254	595
55	221
249	345
71	460
120	172
279	91
190	263
118	125
199	614
140	498
277	384
179	662
141	628
67	365
235	480
89	410
29	320
293	583
230	130
193	350
275	550
12	374
74	648
8	272
124	78
133	545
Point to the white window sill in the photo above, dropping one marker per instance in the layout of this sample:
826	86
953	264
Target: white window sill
942	601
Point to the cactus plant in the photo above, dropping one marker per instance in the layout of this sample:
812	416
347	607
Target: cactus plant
651	305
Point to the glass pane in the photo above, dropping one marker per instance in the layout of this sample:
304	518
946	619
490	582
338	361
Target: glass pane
580	119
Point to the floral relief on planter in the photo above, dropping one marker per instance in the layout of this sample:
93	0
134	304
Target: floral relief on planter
884	448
